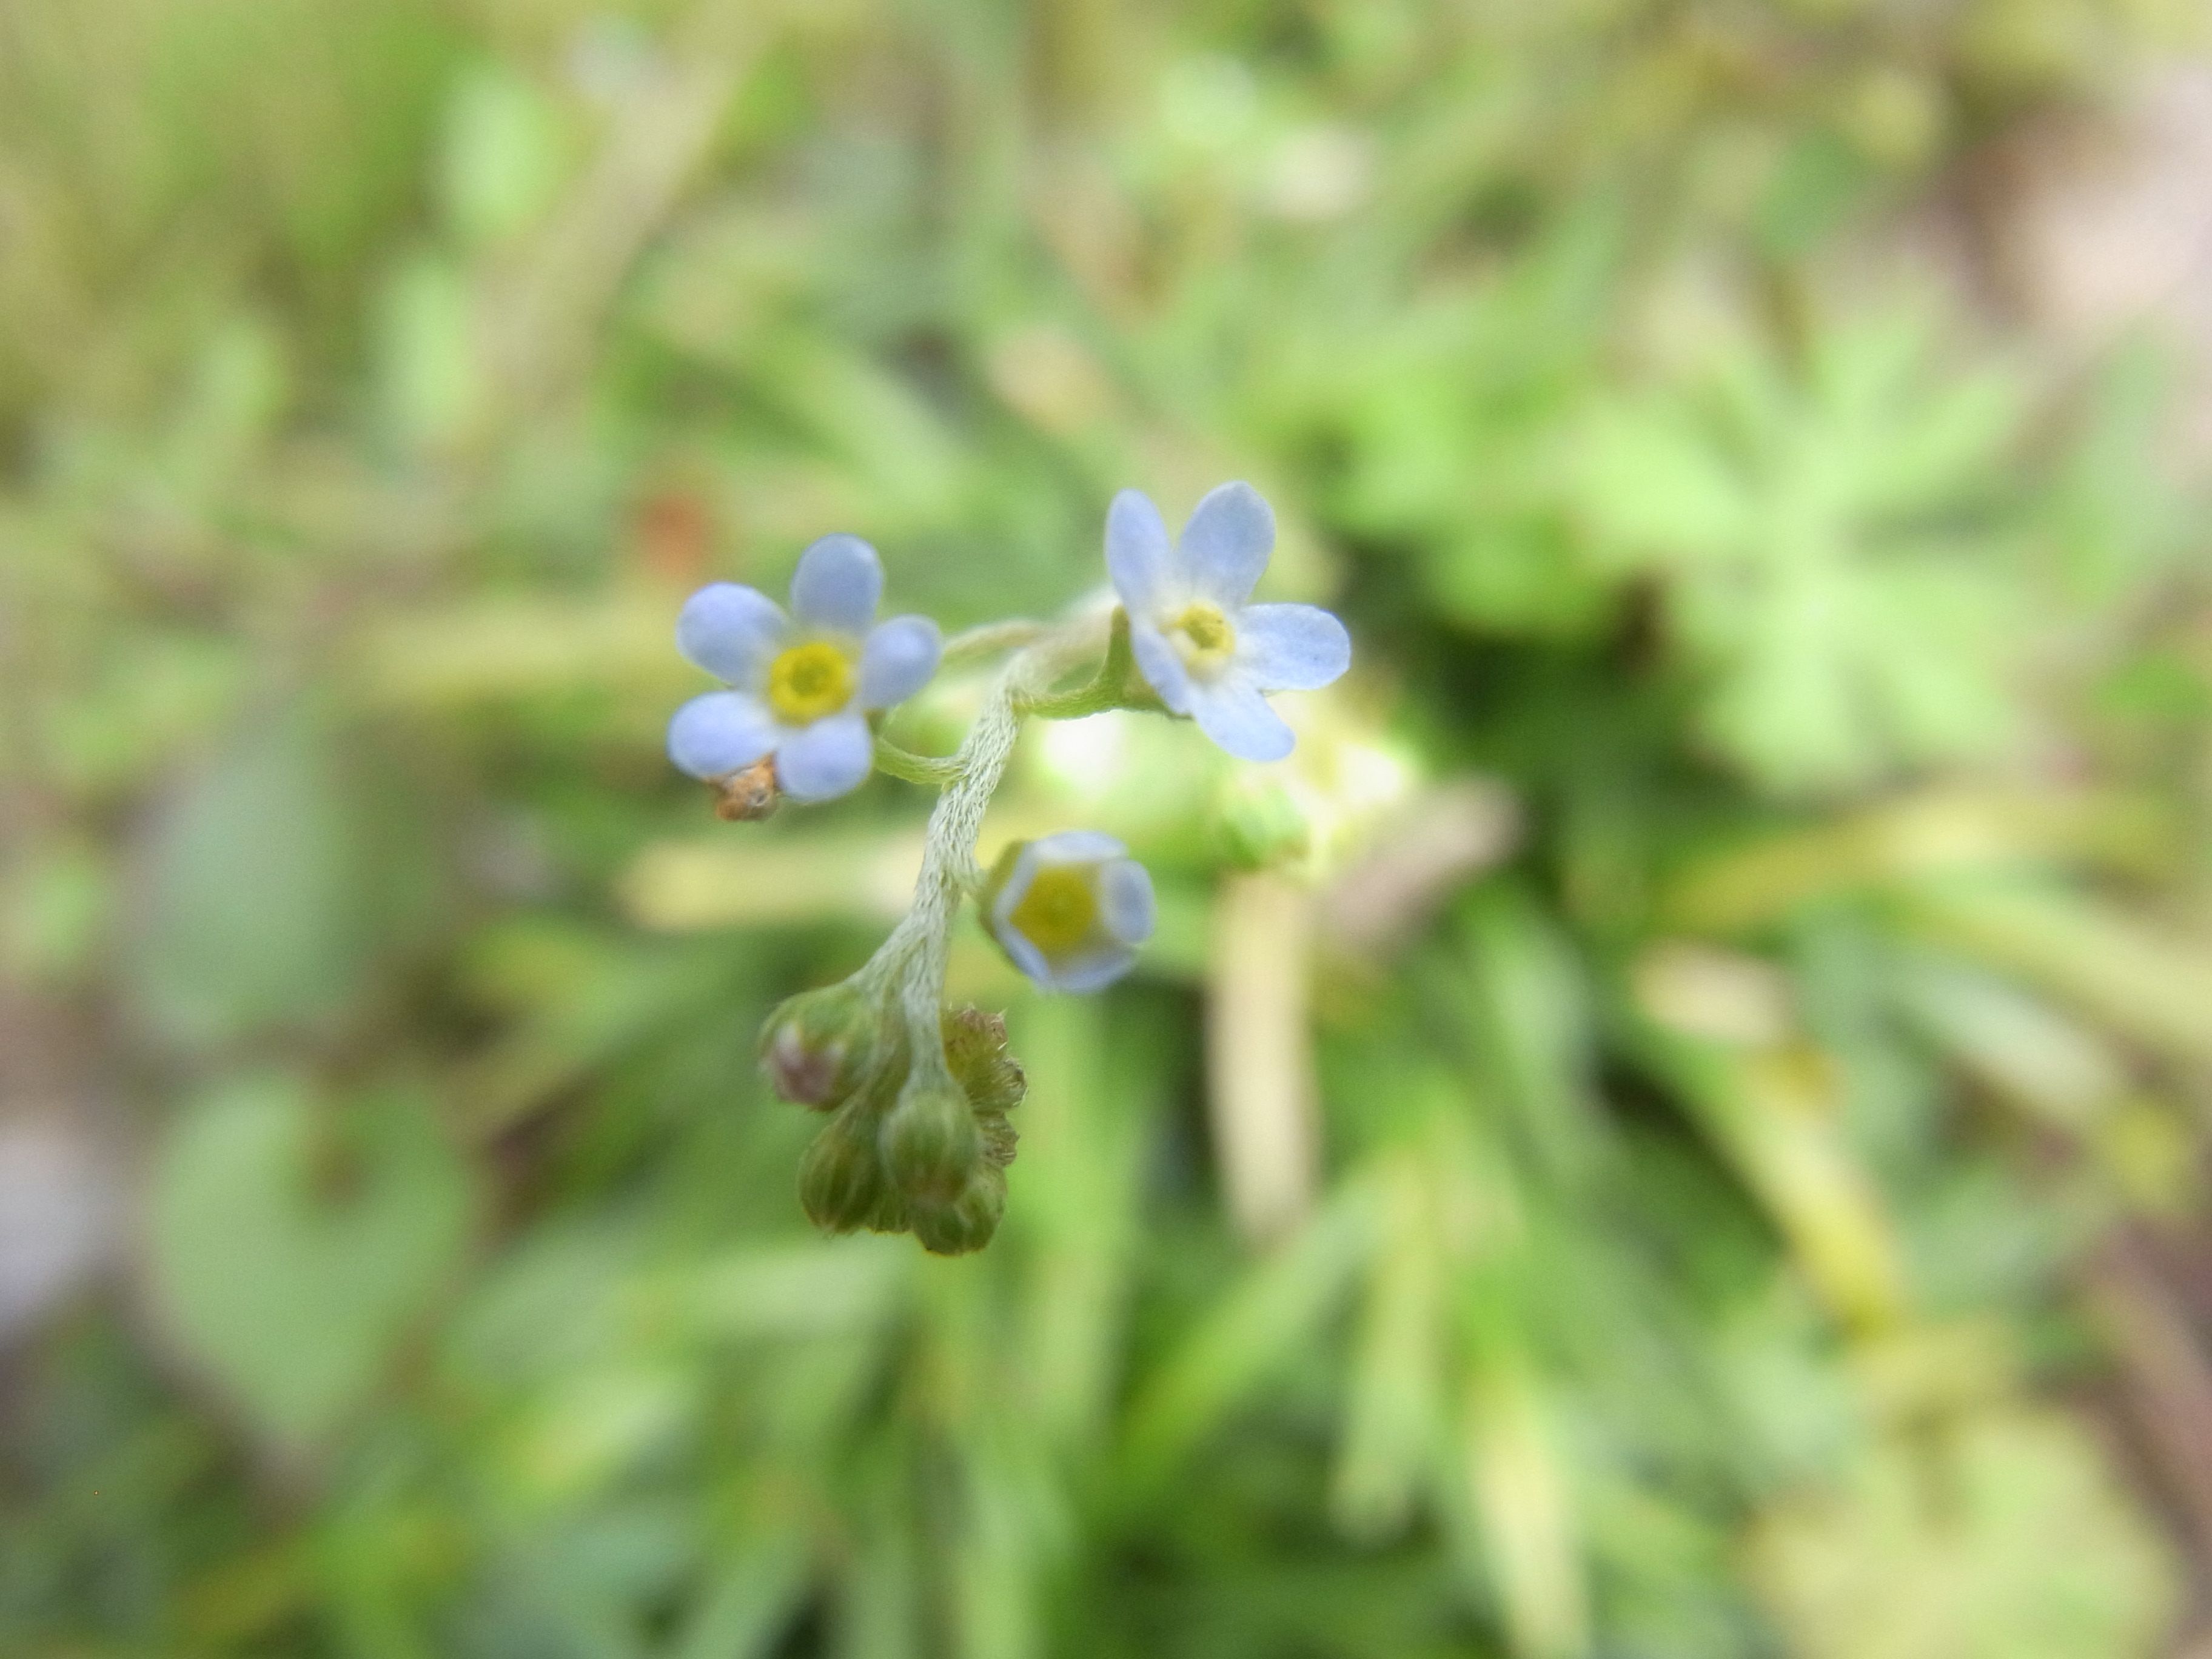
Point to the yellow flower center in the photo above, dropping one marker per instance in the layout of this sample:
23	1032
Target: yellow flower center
1058	912
1204	636
808	682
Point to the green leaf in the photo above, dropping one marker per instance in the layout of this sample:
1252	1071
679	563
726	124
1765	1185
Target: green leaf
275	880
1530	1542
1393	1384
2000	1538
1838	576
504	156
1276	1307
429	382
1655	489
2149	983
292	1245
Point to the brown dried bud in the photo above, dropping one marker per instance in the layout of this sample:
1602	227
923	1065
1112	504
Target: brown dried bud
748	796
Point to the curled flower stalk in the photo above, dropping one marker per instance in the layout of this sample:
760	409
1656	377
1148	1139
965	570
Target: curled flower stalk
917	1095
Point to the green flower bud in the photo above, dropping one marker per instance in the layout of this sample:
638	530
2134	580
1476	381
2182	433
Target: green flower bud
975	1050
966	1222
816	1047
930	1141
841	1178
925	1156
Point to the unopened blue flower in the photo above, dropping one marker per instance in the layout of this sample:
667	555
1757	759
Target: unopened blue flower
1070	910
1208	653
800	686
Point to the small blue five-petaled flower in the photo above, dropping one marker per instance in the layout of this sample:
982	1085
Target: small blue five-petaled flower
1209	653
1070	908
801	688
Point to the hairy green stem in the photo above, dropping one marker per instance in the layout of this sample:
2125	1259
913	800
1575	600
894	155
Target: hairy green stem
931	771
982	642
913	958
1115	686
910	964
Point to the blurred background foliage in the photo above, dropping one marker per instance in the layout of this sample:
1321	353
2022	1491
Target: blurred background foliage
1674	1127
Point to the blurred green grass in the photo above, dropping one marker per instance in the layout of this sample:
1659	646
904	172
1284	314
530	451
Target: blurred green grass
1671	1129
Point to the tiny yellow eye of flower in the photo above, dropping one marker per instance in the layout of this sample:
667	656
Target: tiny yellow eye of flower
1207	637
1058	912
808	682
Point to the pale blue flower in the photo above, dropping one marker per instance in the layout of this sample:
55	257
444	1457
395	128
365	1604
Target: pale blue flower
801	687
1070	910
1207	652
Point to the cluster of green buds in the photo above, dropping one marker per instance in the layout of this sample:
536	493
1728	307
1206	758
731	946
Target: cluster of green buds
905	1149
916	1137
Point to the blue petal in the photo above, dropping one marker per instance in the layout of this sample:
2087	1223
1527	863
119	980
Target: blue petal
1023	954
1020	950
730	631
829	758
720	734
837	584
1125	900
1075	846
1161	665
1138	557
1225	545
1232	712
1094	970
1017	887
1291	647
898	659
